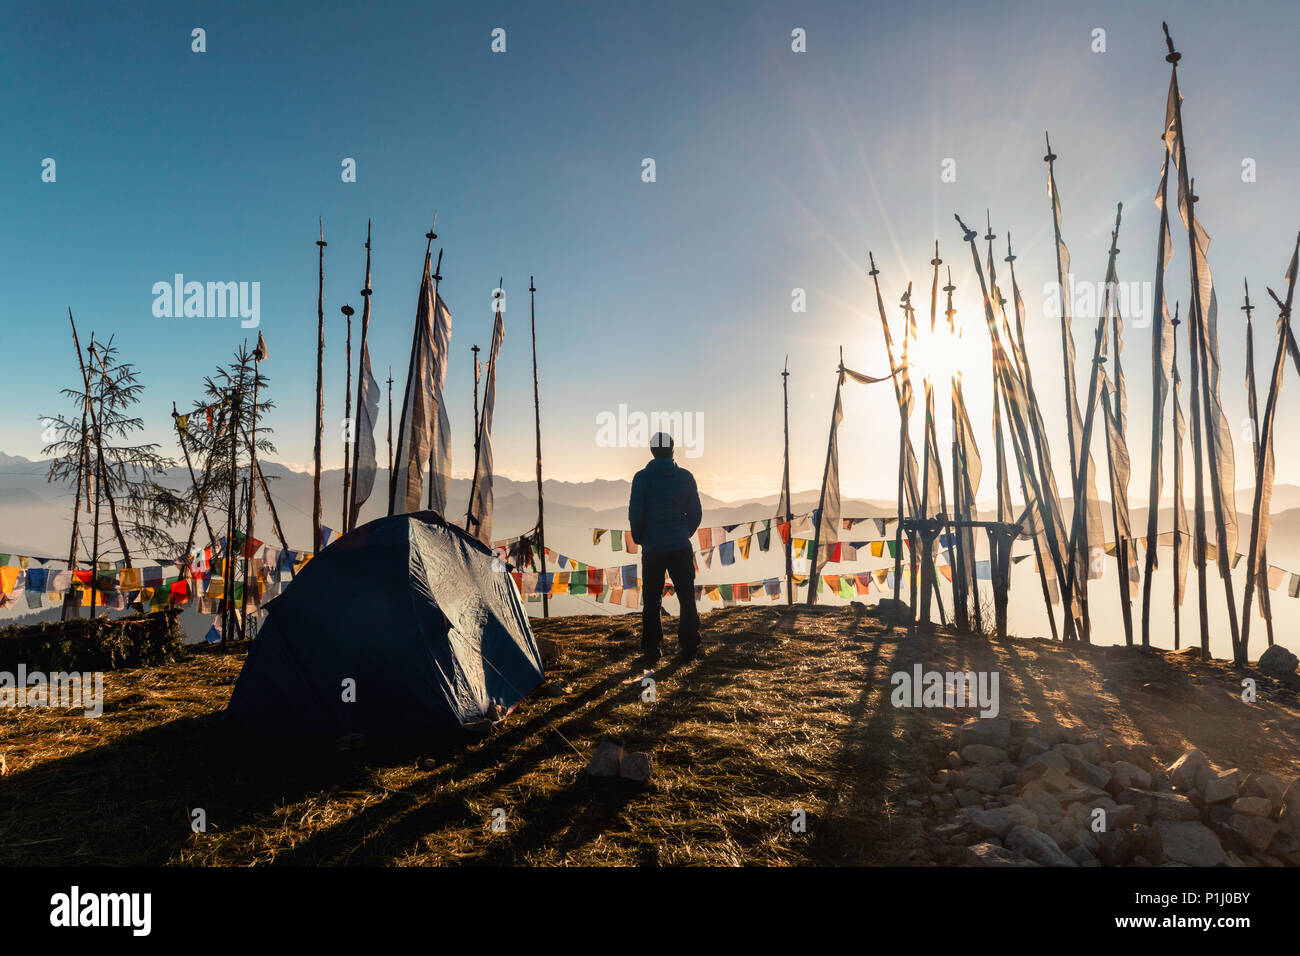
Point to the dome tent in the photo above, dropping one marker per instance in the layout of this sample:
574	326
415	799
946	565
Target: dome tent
416	614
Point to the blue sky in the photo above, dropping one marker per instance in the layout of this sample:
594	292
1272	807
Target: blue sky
775	170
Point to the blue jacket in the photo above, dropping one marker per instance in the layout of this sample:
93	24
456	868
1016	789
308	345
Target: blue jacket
664	510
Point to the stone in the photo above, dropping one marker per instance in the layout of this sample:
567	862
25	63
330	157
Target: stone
1190	771
1035	796
966	798
1105	803
1127	816
1063	833
1037	846
1252	806
953	760
984	780
1116	847
1233	840
1070	752
605	761
1258	831
1130	775
1032	747
983	754
1190	843
990	854
1159	806
999	821
1051	760
1052	733
1091	751
1291	797
1082	855
1090	774
548	650
1277	661
1218	813
1223	786
990	732
637	768
1284	845
1265	785
1056	780
1085	837
1148	842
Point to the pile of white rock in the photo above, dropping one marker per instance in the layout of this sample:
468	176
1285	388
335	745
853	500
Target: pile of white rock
1027	794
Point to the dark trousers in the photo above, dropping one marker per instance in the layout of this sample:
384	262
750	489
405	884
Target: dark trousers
680	567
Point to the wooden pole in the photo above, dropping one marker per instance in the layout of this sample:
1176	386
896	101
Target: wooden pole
354	508
1039	458
474	349
1157	335
108	491
320	389
1187	188
1174	382
1252	400
478	426
1080	490
961	608
902	432
927	538
83	466
199	493
789	507
821	501
248	517
537	422
1264	444
934	439
437	281
99	478
402	450
349	445
1122	543
228	570
918	508
1121	556
1078	456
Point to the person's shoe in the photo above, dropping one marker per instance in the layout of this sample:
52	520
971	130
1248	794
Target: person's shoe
689	652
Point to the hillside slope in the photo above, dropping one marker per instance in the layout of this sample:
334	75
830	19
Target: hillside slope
790	711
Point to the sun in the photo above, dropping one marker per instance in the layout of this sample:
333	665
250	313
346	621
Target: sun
938	355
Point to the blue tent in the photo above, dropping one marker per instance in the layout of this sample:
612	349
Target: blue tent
413	615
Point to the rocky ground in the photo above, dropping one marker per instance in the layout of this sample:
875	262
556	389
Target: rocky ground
1021	793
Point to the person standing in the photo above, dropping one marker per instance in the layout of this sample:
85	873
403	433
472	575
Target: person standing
663	513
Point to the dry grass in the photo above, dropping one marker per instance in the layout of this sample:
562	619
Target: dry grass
789	711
